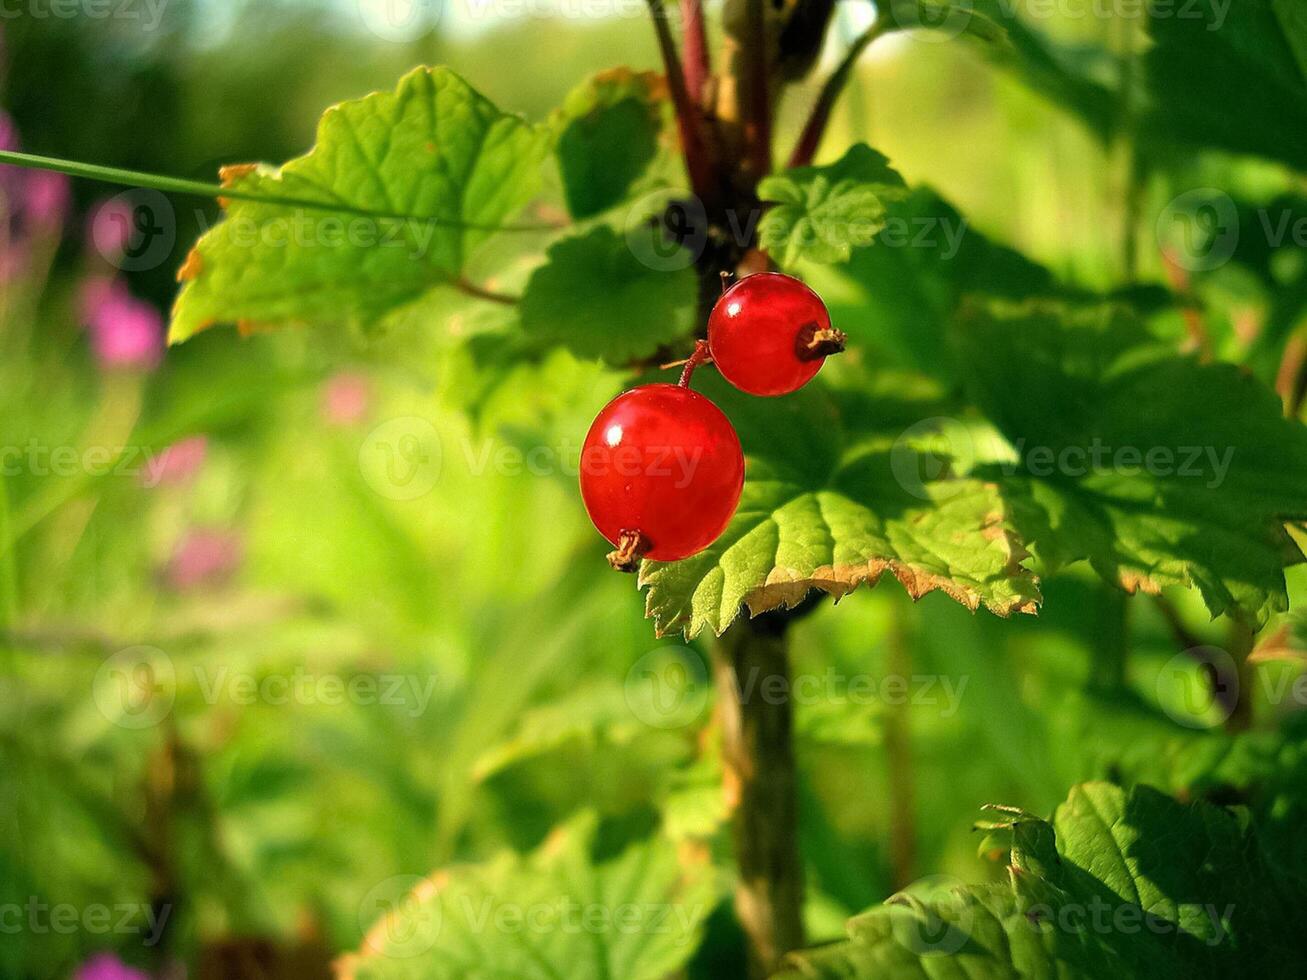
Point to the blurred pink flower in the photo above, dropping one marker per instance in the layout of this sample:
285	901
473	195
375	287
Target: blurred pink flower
46	200
109	229
345	399
94	292
106	966
39	198
13	261
125	332
176	464
10	177
8	132
204	558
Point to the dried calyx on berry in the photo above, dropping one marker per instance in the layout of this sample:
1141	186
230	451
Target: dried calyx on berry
631	547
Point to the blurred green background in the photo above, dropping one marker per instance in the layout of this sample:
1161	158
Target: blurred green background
249	674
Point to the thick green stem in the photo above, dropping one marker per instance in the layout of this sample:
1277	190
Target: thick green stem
1242	636
898	757
8	561
752	671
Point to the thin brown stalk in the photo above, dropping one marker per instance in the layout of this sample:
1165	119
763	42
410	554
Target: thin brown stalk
470	288
698	63
758	73
819	117
1291	379
688	118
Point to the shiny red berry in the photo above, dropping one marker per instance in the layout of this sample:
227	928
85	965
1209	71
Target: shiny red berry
769	334
661	473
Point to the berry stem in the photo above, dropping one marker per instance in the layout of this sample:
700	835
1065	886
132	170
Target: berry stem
631	546
814	342
700	356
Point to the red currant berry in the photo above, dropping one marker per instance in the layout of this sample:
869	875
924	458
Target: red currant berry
769	334
661	473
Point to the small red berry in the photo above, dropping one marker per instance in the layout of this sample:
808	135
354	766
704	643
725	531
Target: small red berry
661	473
769	334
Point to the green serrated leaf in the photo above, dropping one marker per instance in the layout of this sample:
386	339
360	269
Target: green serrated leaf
830	503
606	134
421	178
554	914
1119	884
1157	469
823	213
597	298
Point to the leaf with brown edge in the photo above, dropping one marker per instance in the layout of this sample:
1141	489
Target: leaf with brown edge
1157	469
829	505
400	191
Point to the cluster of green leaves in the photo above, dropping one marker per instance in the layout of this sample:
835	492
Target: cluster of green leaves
1117	883
968	465
826	514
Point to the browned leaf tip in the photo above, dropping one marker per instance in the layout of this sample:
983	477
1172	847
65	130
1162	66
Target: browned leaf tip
192	267
232	174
